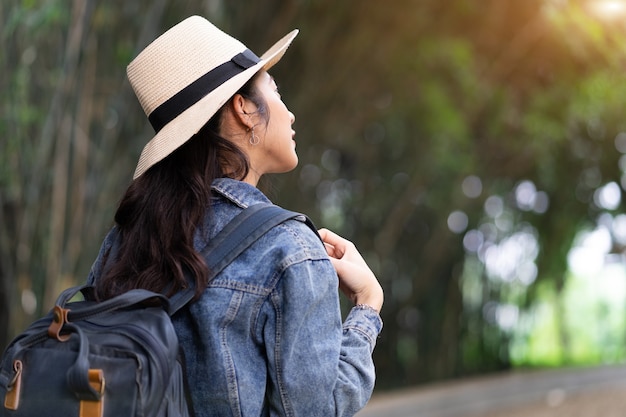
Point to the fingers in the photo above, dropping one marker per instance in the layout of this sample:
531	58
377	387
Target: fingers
331	237
336	246
330	250
330	240
325	233
356	279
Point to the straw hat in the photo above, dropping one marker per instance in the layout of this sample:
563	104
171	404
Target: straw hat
186	75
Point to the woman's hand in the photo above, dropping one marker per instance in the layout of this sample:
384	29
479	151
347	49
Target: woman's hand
356	279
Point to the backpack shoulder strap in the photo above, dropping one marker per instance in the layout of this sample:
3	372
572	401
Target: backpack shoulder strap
238	235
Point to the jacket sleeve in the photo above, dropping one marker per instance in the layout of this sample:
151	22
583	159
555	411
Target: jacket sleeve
318	366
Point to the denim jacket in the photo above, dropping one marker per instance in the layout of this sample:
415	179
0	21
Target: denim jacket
266	337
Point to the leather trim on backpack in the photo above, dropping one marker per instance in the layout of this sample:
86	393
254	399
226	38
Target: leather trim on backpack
59	319
94	408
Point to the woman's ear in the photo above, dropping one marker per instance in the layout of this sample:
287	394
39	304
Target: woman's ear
242	111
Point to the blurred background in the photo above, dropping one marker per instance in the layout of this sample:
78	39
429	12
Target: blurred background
473	149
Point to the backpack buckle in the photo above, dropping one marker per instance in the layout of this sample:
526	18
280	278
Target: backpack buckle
12	398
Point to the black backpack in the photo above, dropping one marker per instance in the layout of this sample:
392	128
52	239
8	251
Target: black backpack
119	357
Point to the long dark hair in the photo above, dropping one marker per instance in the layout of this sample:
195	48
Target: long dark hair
161	210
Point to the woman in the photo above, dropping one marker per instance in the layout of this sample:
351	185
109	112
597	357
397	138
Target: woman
265	336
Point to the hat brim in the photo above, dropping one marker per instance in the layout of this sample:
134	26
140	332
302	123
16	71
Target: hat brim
188	123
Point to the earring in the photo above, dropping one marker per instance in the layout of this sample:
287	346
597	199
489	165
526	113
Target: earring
254	139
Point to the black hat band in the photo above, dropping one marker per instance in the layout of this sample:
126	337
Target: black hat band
200	88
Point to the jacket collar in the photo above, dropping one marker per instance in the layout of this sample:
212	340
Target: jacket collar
239	192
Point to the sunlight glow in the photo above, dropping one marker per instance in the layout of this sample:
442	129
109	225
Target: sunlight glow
608	9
